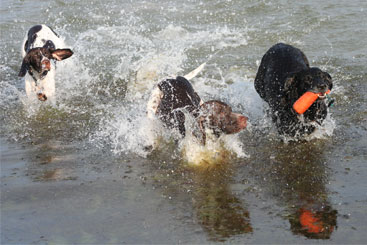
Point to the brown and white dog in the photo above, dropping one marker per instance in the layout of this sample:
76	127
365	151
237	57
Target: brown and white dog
41	47
171	98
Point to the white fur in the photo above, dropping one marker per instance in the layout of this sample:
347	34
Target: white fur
47	84
154	101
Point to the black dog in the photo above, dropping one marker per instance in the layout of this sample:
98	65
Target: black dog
172	97
283	77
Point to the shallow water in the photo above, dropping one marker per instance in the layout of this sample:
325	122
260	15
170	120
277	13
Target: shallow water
79	171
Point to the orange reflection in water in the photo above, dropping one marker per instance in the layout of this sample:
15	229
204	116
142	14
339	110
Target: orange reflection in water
314	224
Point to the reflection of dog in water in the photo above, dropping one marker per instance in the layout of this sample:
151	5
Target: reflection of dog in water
299	185
317	224
218	210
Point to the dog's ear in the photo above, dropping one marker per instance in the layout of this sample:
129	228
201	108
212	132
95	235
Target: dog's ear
289	83
329	80
61	54
290	89
24	67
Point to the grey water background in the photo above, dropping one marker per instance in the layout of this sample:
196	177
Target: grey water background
77	173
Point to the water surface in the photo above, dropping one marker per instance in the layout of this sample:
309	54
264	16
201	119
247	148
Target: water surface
79	171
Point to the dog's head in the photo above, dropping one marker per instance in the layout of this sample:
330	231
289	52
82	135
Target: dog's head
39	60
312	80
218	117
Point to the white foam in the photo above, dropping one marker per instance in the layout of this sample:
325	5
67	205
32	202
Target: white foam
324	130
126	132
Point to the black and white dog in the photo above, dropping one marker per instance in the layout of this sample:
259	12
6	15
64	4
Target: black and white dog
171	98
284	75
41	47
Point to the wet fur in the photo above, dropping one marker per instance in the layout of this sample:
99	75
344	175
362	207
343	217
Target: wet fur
284	75
40	49
172	98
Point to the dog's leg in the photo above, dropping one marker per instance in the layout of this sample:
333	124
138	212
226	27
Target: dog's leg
48	84
30	86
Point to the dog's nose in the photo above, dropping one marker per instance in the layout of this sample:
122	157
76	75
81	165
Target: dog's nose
46	64
242	121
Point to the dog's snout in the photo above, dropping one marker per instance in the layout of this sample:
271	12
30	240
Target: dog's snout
322	86
242	121
46	64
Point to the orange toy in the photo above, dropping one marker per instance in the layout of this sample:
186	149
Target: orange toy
305	101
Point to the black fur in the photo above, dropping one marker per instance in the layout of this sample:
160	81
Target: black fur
179	97
285	75
49	45
32	35
178	94
33	59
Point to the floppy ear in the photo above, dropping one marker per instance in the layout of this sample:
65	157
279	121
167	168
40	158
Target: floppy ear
329	80
24	68
289	83
290	89
61	54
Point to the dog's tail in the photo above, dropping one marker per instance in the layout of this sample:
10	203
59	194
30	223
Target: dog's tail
194	73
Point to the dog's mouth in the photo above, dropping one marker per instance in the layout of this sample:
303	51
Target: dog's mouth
321	91
322	96
308	99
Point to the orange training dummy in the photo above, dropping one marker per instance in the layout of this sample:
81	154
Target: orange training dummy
305	101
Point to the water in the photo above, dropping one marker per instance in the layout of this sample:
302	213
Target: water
79	171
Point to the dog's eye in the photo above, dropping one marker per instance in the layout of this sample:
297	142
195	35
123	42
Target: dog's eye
44	73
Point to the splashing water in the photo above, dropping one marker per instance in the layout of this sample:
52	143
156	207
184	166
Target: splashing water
214	152
97	130
103	88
